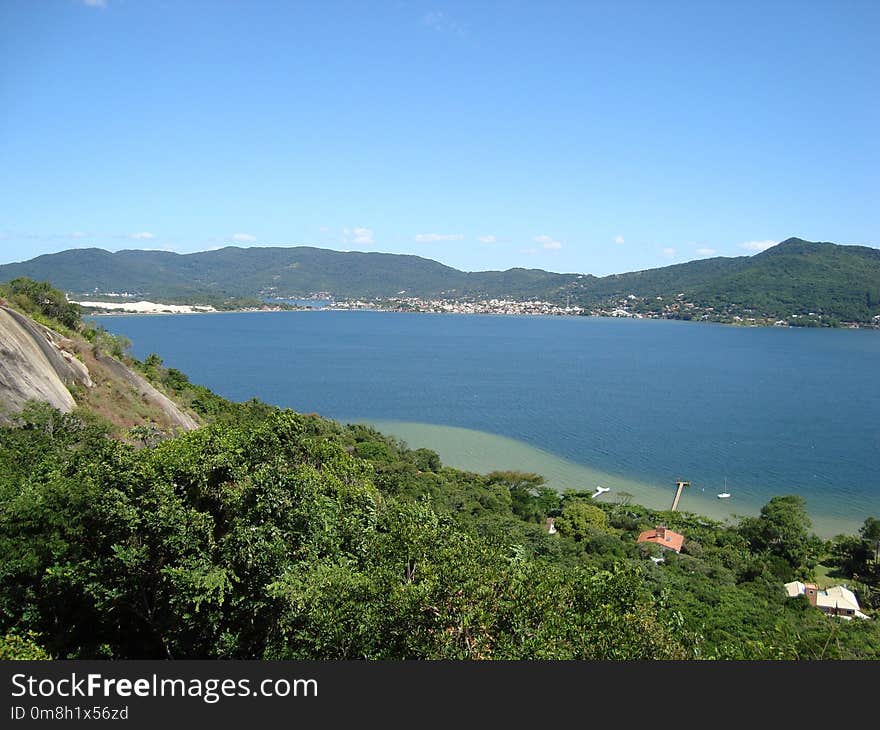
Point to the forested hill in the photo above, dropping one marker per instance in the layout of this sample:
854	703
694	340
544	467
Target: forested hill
288	272
795	277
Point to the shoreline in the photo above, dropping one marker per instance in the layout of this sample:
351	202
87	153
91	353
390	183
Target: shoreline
483	452
196	310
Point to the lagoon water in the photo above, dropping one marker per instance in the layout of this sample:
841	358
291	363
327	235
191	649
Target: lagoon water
629	404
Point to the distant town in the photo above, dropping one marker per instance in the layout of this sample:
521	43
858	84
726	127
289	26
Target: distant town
629	306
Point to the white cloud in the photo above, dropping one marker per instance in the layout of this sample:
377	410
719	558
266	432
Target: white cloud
757	245
78	234
487	239
432	237
706	252
442	23
244	238
359	236
547	242
668	252
619	240
143	236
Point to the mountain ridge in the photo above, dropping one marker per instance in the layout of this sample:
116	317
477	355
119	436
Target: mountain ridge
794	277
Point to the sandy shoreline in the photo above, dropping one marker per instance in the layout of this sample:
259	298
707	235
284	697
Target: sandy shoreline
152	308
482	452
145	307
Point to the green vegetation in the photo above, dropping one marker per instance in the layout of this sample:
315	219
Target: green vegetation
803	283
47	305
264	537
808	284
269	534
20	648
42	302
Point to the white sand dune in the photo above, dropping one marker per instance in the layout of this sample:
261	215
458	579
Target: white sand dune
149	307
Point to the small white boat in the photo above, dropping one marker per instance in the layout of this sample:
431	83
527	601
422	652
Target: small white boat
724	495
600	490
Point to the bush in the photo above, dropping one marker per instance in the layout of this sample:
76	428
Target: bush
40	297
21	648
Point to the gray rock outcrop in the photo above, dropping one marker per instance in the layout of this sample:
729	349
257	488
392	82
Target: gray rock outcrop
37	363
32	366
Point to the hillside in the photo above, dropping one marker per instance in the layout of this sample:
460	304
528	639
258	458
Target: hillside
796	277
799	277
250	272
39	364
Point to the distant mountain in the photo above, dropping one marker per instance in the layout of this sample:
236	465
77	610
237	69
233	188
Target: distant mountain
793	277
796	276
289	272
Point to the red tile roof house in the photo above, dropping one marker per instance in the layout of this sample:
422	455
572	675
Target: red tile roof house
663	537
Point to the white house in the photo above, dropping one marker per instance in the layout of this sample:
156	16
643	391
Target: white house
834	601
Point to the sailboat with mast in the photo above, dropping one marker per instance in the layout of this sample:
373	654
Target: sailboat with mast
725	494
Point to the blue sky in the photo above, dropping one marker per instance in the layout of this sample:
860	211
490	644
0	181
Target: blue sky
594	137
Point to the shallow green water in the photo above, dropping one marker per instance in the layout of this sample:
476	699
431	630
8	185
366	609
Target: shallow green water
773	411
483	452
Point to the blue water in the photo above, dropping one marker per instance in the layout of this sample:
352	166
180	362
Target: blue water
772	410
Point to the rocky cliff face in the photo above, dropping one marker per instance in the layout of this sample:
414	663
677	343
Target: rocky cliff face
32	366
37	363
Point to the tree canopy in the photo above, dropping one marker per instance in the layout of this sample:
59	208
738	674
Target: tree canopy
269	534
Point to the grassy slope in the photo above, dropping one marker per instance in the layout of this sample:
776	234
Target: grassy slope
112	399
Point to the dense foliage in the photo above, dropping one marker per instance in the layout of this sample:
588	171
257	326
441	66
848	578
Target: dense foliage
818	282
270	534
41	301
266	538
